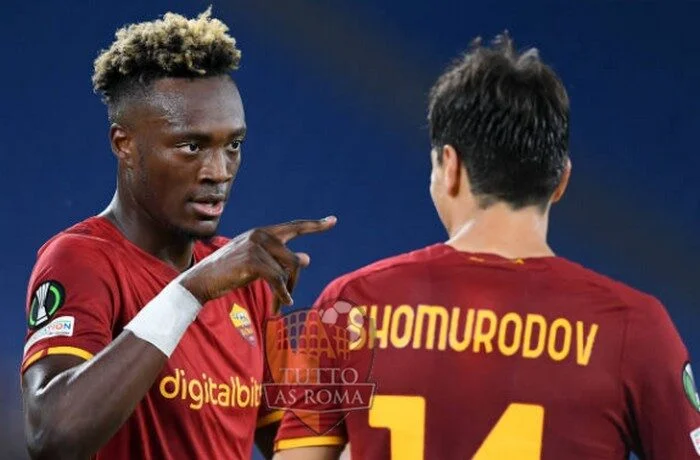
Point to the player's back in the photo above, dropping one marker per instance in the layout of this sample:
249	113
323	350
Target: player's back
477	356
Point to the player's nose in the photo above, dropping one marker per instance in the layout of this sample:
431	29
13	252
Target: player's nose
217	166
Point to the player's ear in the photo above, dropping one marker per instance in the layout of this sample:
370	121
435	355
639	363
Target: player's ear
122	144
452	169
563	183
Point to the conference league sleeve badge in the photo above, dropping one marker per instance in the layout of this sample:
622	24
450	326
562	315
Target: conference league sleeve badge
691	390
48	297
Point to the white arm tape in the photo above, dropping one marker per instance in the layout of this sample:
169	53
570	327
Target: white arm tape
164	320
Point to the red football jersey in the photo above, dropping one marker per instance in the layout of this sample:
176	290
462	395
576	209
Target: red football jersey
478	356
90	281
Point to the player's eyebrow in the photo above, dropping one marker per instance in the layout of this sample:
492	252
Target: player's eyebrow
204	136
176	125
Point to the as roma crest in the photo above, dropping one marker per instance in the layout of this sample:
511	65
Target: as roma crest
241	321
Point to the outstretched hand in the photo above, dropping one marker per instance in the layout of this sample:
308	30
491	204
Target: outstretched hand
257	253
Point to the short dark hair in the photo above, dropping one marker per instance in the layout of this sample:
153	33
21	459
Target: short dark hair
173	46
507	116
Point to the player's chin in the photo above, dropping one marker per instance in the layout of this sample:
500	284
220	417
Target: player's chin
203	229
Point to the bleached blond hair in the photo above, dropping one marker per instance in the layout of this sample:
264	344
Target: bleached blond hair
173	46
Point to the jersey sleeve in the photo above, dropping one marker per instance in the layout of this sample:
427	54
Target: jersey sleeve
663	404
315	392
71	301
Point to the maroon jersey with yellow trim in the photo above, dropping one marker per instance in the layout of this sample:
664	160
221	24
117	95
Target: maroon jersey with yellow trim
477	356
89	282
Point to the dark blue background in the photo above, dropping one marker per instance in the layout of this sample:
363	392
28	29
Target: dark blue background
335	96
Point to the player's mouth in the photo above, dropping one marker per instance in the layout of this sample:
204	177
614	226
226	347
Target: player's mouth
209	206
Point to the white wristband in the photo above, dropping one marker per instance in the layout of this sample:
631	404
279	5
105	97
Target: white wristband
164	320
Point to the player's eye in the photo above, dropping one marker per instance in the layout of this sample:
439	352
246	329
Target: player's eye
189	147
235	146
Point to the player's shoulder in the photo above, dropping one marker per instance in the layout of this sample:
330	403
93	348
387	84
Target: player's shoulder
92	236
401	265
629	296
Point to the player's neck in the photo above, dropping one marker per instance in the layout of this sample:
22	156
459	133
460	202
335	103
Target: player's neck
139	228
500	230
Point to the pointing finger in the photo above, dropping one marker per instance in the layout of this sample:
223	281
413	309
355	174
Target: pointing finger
287	231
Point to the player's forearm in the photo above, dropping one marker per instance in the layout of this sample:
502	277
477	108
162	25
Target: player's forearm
80	409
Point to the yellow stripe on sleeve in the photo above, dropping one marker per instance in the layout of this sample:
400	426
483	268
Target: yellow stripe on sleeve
311	441
74	351
79	352
32	359
270	418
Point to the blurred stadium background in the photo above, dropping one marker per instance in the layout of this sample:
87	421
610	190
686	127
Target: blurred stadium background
335	97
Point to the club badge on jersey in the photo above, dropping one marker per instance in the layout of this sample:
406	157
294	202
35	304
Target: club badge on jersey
241	321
